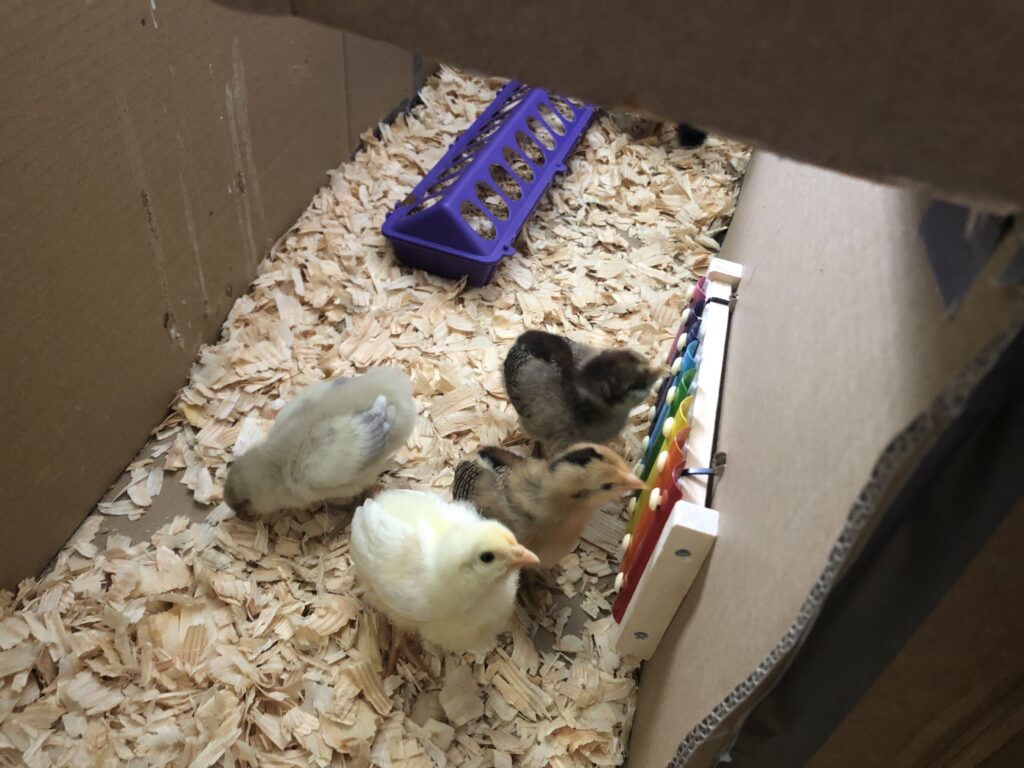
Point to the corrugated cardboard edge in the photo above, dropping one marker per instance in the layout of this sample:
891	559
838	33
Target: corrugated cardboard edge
713	735
913	713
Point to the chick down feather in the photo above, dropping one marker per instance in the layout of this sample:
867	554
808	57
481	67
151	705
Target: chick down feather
546	504
331	442
437	568
566	393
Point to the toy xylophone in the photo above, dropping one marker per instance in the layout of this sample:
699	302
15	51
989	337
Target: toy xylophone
671	529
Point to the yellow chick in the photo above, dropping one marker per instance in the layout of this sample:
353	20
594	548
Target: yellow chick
436	569
330	443
545	503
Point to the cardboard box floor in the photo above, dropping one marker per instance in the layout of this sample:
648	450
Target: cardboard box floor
255	633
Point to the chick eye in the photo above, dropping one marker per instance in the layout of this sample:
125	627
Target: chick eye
487	557
607	487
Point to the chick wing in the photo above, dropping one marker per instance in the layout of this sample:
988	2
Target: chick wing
340	448
483	479
391	555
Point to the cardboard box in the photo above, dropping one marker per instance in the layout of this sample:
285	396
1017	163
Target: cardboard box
924	93
151	154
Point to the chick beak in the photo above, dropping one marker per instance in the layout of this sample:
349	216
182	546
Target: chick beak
520	556
631	482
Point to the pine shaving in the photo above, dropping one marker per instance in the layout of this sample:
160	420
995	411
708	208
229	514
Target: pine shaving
460	697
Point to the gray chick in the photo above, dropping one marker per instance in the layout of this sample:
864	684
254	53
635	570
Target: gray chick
331	442
566	393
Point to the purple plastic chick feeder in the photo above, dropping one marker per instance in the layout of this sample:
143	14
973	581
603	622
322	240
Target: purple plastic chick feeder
465	214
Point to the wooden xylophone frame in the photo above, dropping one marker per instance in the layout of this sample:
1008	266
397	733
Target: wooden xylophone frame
692	527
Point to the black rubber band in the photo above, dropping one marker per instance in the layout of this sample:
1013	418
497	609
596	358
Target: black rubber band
698	471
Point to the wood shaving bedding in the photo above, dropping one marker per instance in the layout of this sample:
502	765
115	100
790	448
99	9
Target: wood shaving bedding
229	642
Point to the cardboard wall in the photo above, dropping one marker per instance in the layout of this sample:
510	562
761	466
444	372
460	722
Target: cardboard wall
376	75
921	550
927	92
839	340
150	153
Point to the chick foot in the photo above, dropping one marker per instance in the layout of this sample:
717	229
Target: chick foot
402	645
532	590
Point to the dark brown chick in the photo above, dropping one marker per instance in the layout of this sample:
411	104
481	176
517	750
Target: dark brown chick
546	504
568	393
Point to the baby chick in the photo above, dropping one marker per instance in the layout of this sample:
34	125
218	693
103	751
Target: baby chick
546	504
330	442
690	137
437	569
567	393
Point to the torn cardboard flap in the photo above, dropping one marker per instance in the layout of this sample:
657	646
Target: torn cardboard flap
868	89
